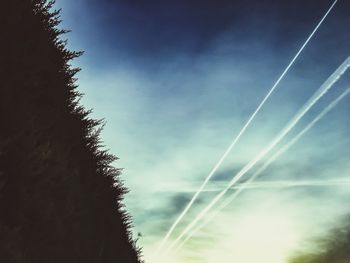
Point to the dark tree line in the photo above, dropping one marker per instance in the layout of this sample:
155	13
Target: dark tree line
60	198
332	248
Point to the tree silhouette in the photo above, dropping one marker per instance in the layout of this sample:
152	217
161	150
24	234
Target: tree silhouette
333	248
60	198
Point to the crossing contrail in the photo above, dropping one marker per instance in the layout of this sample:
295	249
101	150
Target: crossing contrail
235	140
317	95
273	158
278	184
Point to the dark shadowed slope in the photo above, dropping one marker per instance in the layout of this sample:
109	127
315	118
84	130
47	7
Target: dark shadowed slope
60	200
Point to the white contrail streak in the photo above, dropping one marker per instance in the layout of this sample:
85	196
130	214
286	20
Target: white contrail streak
235	140
278	184
268	162
317	95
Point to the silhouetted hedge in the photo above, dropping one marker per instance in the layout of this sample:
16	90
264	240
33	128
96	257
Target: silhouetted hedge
60	198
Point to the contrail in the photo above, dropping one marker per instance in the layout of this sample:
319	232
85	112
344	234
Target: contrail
317	95
235	140
268	162
279	184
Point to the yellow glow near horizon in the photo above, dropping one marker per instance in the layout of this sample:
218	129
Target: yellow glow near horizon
257	238
263	236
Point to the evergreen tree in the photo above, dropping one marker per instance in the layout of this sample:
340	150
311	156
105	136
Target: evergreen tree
60	198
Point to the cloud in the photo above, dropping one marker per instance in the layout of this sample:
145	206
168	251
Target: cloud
171	141
171	114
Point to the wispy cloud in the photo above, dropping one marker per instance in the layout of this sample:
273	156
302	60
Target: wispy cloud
171	114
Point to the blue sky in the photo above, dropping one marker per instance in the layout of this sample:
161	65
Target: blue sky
176	81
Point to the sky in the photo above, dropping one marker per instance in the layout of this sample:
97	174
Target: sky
175	81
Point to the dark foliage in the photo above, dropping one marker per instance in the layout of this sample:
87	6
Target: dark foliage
60	198
333	248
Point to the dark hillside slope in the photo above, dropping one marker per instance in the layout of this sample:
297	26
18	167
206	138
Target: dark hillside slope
60	200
